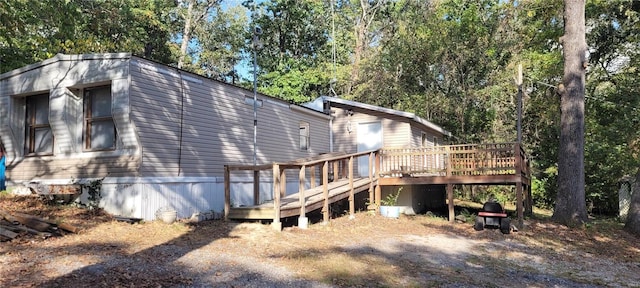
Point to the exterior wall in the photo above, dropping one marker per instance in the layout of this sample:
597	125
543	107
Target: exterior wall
395	130
62	77
416	136
217	124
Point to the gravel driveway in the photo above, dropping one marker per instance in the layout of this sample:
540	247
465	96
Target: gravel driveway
369	251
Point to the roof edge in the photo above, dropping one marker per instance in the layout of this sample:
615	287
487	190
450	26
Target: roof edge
64	57
404	114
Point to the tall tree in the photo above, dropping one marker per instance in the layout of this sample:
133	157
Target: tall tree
295	48
369	10
192	13
633	216
570	206
221	40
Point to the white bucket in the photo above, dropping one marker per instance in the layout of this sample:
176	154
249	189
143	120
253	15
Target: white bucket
168	216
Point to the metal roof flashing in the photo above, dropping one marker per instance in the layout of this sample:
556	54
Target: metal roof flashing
64	57
317	104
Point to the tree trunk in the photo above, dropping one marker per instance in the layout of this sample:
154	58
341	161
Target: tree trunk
368	10
360	33
186	34
570	208
633	216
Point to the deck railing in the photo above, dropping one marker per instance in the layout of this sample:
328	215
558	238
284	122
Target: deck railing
455	160
333	166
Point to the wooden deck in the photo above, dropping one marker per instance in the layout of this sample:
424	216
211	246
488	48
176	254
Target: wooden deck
469	164
487	164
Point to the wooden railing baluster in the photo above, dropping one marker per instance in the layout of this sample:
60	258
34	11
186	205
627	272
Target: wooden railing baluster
325	191
352	207
276	196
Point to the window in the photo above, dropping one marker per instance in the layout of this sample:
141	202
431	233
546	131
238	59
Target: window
39	139
100	132
423	141
304	136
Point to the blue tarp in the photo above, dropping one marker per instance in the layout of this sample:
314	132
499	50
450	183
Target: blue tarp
2	177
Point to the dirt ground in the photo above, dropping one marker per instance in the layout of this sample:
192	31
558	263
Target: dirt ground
368	251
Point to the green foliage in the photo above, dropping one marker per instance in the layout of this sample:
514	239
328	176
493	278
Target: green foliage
391	199
94	191
218	43
295	85
539	193
468	216
611	150
32	31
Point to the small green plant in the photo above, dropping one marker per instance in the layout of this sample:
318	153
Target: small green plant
371	207
468	216
94	191
391	199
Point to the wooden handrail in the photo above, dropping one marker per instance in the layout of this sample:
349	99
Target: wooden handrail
456	160
333	160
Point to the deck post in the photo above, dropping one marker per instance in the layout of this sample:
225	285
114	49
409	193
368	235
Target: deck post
371	196
530	202
227	192
325	192
277	225
303	222
352	205
519	205
519	195
336	174
256	187
378	190
452	214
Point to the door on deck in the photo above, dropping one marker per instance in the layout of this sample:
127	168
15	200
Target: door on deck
369	137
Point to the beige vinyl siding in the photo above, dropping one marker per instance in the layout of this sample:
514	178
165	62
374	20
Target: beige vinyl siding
58	77
416	136
217	124
396	130
50	167
155	110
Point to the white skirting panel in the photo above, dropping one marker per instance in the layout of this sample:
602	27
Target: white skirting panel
143	197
